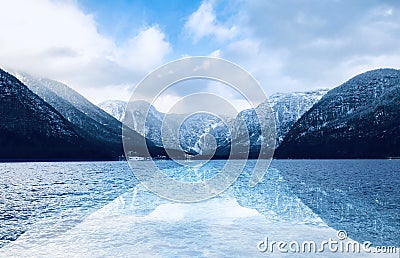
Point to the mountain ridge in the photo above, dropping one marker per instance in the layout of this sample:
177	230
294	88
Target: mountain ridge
30	126
358	115
358	119
90	121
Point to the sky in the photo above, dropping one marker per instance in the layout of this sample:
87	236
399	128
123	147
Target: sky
103	49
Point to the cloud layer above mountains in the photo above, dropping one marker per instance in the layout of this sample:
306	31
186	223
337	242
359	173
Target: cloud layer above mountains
286	45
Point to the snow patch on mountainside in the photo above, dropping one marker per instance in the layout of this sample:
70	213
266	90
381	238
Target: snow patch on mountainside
116	108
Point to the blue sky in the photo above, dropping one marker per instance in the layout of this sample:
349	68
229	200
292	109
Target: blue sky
121	18
104	48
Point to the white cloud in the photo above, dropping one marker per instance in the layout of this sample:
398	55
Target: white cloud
216	53
286	46
46	33
110	92
195	95
56	39
165	102
266	65
144	50
203	23
383	11
294	47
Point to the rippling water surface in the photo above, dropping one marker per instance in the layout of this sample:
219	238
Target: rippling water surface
42	203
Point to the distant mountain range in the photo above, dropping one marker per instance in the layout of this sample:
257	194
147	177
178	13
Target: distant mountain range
287	107
189	137
42	119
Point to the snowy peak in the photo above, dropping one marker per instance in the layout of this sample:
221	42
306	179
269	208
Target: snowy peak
115	108
289	107
49	90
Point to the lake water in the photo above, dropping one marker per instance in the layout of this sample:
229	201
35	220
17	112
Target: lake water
93	209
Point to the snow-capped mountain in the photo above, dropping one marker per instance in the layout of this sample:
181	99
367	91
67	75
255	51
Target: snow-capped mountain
254	128
99	129
148	124
32	129
202	133
70	103
91	121
358	119
289	107
190	131
116	108
135	116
